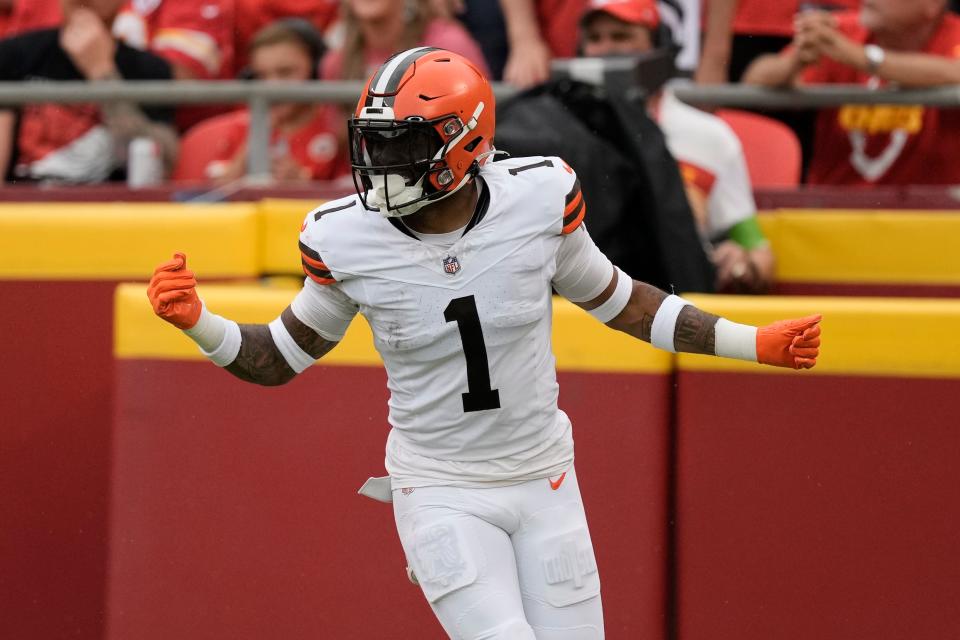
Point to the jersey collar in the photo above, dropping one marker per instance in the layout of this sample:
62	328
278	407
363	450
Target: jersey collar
483	203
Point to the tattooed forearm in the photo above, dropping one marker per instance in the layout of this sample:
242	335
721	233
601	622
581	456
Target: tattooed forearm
259	360
636	318
695	331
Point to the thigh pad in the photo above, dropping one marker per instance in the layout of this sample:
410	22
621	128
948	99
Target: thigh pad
440	558
568	568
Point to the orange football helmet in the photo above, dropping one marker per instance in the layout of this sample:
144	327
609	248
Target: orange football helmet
422	128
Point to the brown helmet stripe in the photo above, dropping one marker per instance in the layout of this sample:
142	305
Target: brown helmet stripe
386	82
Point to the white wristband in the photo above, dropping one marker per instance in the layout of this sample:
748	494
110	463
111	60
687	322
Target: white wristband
218	338
209	330
617	300
735	340
665	322
298	359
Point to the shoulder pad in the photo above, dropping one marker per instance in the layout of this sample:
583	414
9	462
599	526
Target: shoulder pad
552	178
574	206
332	207
313	264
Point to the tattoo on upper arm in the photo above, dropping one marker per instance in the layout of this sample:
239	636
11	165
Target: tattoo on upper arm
695	332
259	360
305	337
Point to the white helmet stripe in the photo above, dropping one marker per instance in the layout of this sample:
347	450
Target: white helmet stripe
385	79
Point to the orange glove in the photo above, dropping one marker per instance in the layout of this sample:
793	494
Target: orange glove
173	293
790	343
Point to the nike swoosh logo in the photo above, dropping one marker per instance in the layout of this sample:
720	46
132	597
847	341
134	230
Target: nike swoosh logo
555	484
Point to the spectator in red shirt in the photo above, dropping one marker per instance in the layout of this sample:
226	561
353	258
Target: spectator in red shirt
196	36
738	31
307	139
30	15
373	30
82	142
908	43
537	31
253	15
6	14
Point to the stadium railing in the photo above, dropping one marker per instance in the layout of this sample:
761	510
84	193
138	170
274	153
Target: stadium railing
258	96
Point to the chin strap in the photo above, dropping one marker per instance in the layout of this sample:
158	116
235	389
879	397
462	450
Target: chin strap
493	153
402	196
393	188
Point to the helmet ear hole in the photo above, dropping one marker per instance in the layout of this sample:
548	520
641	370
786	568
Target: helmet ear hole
470	146
452	127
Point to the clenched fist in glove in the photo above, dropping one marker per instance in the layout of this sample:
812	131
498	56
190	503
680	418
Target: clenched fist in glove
173	293
790	343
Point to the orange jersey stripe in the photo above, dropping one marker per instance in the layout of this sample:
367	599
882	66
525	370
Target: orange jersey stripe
314	263
570	208
573	224
317	278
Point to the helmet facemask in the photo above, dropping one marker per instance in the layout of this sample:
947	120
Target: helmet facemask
399	166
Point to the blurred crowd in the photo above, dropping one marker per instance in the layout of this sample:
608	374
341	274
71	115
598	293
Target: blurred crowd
773	43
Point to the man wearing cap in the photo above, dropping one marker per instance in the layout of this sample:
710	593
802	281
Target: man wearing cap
709	153
887	43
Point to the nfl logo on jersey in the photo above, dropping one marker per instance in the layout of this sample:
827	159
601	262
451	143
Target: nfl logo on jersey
451	265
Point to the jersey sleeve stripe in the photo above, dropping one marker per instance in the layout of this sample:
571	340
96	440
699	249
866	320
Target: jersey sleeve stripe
310	253
572	221
320	276
575	213
573	205
312	259
316	264
574	192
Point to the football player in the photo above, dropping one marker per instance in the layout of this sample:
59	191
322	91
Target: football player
451	258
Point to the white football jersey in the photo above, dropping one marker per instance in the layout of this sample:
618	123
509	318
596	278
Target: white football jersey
464	330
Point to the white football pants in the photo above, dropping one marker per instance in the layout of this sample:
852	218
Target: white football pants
506	563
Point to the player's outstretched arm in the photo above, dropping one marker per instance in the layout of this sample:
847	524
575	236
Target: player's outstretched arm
260	360
671	323
267	355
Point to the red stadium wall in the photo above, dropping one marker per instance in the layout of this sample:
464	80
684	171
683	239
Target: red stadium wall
59	267
226	510
57	384
823	507
235	512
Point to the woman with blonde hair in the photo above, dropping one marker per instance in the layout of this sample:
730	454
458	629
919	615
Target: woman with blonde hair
373	30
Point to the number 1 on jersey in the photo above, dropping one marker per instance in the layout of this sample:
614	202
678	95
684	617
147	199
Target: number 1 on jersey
479	395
